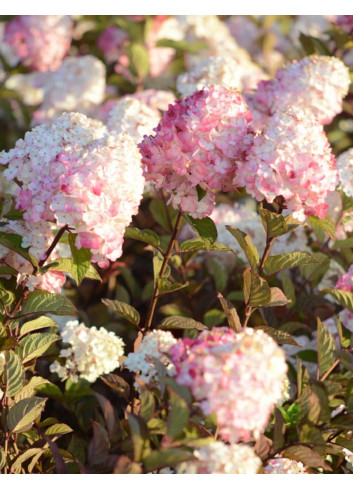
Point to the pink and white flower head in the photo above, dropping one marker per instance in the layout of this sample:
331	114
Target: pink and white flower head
291	157
154	346
281	465
199	141
71	173
134	117
40	41
77	86
219	458
217	70
316	82
345	171
155	99
345	282
237	376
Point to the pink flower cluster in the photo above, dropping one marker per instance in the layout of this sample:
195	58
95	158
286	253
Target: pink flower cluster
345	22
345	282
72	175
199	141
237	376
40	41
316	82
291	157
112	42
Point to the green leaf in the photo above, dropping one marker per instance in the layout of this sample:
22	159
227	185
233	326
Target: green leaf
288	287
277	298
277	263
14	373
139	433
214	317
147	404
230	312
39	323
257	292
219	275
165	286
168	457
14	243
58	429
2	458
46	302
197	244
118	384
160	214
7	297
247	246
325	224
180	322
144	235
139	58
122	309
23	457
158	260
81	259
307	456
34	345
342	244
66	265
23	413
182	45
274	224
50	390
326	348
205	229
342	296
30	388
178	416
313	45
281	337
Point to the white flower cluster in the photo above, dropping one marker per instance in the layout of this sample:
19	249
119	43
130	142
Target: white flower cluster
219	458
215	33
344	167
217	70
283	465
134	117
154	345
92	352
77	86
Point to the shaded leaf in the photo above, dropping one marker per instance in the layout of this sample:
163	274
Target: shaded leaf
30	388
35	344
23	413
342	296
178	415
168	457
205	229
39	323
256	290
23	457
274	224
14	374
326	348
122	309
180	322
118	384
147	404
230	312
139	58
325	224
307	456
139	434
165	286
277	298
58	429
247	246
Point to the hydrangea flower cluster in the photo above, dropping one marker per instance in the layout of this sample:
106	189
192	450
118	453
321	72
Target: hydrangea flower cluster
345	282
134	117
92	352
199	141
155	345
291	157
345	22
69	173
77	86
315	82
40	41
219	458
112	43
345	171
217	70
237	376
211	30
283	465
